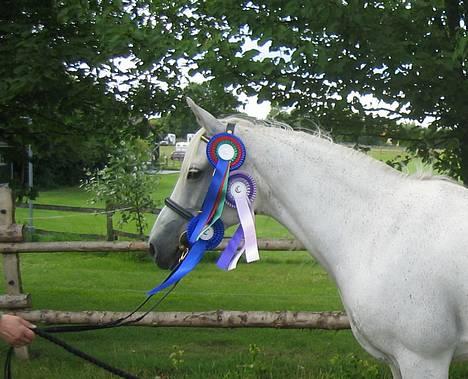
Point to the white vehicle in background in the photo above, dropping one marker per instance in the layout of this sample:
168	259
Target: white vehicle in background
190	136
179	153
169	139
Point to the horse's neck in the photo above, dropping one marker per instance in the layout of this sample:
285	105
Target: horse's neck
327	196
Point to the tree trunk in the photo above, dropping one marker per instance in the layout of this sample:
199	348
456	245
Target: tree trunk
464	153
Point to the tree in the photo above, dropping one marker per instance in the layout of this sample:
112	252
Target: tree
61	71
211	95
324	56
77	76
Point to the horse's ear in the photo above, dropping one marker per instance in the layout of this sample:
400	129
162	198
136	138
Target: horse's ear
205	119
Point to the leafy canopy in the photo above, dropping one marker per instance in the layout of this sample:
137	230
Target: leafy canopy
325	56
73	69
78	76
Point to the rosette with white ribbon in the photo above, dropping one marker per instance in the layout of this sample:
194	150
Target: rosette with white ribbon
240	195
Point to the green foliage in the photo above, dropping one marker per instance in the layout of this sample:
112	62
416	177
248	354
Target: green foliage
254	368
78	76
324	58
64	89
176	357
210	95
124	182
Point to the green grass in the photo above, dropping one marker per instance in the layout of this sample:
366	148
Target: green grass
88	223
117	282
386	154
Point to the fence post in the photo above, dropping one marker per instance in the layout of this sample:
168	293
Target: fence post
11	263
109	224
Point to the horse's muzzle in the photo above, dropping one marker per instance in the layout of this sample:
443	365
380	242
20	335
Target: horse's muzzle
164	261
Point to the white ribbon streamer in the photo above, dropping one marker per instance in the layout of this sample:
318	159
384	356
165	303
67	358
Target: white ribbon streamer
248	226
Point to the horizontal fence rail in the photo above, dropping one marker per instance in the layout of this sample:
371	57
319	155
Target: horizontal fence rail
69	208
210	319
62	208
124	246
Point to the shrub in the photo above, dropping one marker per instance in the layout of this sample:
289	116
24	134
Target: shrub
124	182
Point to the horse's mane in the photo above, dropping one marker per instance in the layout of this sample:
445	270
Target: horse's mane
321	136
189	156
252	121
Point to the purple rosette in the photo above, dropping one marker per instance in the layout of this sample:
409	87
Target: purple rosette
240	184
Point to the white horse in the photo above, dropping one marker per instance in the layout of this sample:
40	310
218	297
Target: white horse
396	245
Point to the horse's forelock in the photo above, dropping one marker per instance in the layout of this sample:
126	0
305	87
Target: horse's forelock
191	153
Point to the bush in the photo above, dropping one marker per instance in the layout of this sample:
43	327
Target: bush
124	182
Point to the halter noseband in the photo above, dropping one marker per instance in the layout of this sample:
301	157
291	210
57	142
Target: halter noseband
181	211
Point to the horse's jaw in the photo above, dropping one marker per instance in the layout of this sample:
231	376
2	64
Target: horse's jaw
164	241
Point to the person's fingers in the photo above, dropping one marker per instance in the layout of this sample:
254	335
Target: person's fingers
27	323
23	342
24	337
16	331
19	341
28	335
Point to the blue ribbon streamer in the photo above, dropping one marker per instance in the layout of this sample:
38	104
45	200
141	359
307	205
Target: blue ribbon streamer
210	200
198	246
188	264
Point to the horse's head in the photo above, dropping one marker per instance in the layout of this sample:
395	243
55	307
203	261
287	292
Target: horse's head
167	239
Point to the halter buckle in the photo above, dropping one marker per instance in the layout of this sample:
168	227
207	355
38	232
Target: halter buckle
183	245
184	254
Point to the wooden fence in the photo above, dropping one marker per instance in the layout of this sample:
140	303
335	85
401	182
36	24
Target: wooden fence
109	211
210	319
15	301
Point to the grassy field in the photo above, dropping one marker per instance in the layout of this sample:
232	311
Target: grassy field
280	281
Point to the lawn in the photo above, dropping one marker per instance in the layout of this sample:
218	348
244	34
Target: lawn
117	282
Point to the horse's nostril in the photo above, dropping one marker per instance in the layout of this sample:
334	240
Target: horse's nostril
152	250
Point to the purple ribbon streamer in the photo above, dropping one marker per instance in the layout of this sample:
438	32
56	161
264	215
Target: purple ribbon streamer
231	249
245	232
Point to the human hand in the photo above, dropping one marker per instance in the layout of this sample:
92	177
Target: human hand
16	331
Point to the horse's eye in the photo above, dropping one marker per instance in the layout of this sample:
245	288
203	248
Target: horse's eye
194	173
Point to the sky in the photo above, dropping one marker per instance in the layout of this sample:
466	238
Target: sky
254	109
